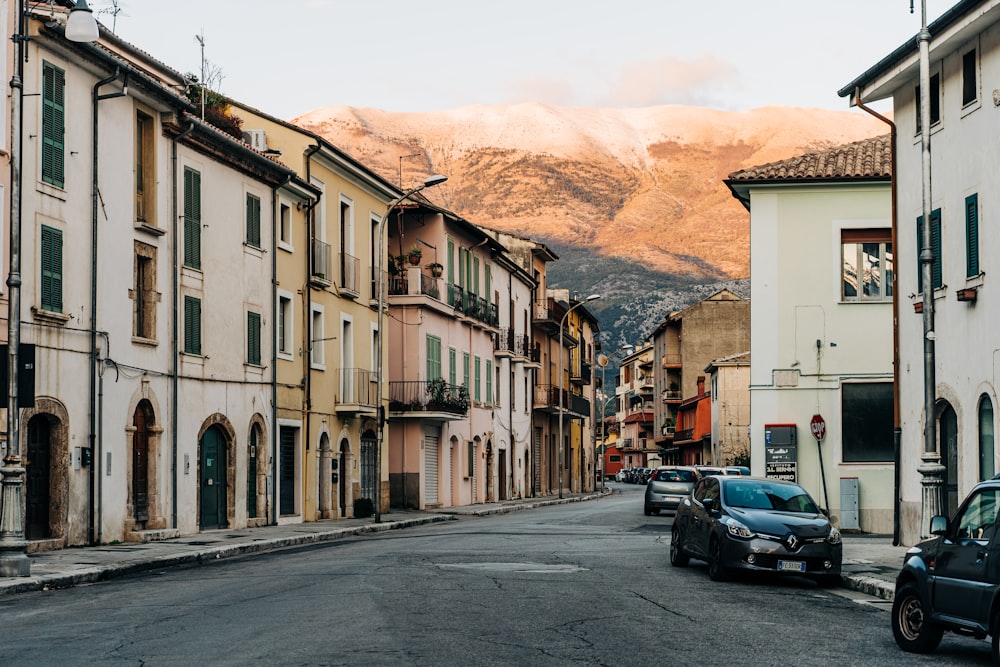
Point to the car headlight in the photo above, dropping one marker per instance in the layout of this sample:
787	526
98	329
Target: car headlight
834	536
737	529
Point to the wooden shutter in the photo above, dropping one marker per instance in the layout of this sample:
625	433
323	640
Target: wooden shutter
192	325
253	220
452	366
489	381
192	218
51	252
433	357
936	273
972	235
53	124
477	380
253	339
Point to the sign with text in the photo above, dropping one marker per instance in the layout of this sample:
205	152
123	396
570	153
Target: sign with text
780	452
818	427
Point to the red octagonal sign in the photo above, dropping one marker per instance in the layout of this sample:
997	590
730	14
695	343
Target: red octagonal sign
818	427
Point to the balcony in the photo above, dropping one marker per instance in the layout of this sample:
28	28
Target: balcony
434	400
671	396
547	400
357	391
503	343
547	315
319	262
684	435
671	361
583	375
349	279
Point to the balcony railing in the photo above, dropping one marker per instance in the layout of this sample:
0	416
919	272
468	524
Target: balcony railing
357	387
320	262
683	434
522	345
670	360
547	396
349	279
503	341
671	395
428	396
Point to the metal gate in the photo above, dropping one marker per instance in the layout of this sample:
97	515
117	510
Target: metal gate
368	475
432	443
536	479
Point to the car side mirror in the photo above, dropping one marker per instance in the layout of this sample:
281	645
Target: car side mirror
939	525
709	504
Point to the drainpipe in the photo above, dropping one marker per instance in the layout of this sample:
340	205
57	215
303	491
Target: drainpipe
896	428
94	532
174	345
307	327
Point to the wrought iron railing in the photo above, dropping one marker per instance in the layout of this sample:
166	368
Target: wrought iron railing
349	273
428	396
320	260
357	387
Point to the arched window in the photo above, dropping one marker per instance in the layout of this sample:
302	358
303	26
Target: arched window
987	465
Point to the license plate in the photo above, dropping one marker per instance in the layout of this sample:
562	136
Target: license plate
792	565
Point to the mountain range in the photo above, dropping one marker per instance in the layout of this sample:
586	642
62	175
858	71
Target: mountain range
632	200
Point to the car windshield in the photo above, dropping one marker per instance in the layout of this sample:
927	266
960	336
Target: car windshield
761	495
674	476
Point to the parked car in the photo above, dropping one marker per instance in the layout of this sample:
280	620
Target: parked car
667	486
738	523
710	470
621	475
736	470
952	581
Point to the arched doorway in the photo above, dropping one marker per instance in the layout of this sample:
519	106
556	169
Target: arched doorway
142	420
38	466
253	462
344	495
489	471
369	477
212	479
327	477
948	446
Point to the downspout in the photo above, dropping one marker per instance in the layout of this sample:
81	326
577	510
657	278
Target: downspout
174	346
94	532
896	427
307	328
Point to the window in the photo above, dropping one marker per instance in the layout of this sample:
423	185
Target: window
471	472
253	220
452	366
285	224
144	293
51	283
867	264
284	325
253	338
53	124
145	171
433	357
317	342
935	101
465	370
475	276
971	236
866	409
192	218
970	84
936	280
978	519
489	381
192	325
477	396
987	449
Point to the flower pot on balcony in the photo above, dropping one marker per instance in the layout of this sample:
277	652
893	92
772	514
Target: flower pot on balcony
436	270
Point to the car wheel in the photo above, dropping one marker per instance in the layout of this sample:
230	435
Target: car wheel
995	639
911	627
656	511
677	556
716	570
647	511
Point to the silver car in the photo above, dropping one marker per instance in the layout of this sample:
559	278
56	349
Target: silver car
667	486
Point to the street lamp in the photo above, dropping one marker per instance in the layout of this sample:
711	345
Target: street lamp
603	361
559	369
436	179
14	562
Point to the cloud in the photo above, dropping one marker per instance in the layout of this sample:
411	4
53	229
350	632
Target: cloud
705	81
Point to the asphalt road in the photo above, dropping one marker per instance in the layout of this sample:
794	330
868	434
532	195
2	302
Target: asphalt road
582	584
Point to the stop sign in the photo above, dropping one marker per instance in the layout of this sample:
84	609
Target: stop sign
818	427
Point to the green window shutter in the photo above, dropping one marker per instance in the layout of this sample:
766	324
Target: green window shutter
475	276
465	369
489	381
433	357
253	339
452	363
192	325
53	124
936	273
486	281
51	266
192	218
451	262
463	262
920	249
972	235
253	220
478	380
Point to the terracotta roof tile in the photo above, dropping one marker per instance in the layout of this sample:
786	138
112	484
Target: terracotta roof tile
864	160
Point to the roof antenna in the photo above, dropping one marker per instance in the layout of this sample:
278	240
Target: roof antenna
201	40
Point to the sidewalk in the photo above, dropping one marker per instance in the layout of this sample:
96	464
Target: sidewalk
870	562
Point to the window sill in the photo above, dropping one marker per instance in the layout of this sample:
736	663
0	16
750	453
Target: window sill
148	342
49	316
143	226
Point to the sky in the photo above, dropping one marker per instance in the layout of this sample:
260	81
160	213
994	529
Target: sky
288	57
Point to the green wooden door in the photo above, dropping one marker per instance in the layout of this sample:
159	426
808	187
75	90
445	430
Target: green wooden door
213	480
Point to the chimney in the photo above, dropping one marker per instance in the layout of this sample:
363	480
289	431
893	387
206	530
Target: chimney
701	385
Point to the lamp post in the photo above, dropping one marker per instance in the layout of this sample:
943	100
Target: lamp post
931	469
81	27
559	369
380	371
603	361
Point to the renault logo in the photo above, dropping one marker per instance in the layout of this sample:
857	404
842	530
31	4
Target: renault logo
792	541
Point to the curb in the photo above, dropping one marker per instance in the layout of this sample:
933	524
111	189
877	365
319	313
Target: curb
114	570
873	586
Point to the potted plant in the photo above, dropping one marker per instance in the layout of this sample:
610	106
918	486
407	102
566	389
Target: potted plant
414	255
436	269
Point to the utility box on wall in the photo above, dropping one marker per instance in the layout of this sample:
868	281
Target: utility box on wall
850	515
781	455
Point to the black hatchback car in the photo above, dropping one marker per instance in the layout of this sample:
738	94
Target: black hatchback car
952	581
756	525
